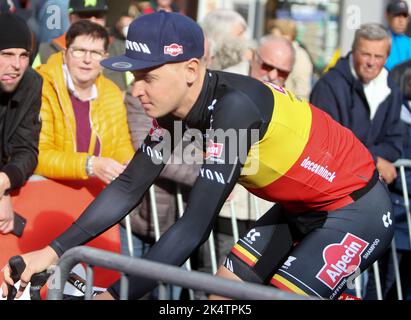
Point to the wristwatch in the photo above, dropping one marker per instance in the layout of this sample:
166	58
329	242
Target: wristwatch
89	166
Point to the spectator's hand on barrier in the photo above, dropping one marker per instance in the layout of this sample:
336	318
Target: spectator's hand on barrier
6	215
386	170
36	261
107	169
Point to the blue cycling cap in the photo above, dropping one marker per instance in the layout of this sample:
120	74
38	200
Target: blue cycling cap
159	38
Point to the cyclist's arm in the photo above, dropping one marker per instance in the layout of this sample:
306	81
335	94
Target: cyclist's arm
116	200
210	190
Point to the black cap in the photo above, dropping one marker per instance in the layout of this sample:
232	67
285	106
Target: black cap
81	6
14	32
396	7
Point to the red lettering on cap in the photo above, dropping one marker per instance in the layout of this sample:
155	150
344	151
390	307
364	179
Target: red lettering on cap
173	50
341	260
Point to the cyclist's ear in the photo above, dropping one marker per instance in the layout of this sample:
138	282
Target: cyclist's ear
192	69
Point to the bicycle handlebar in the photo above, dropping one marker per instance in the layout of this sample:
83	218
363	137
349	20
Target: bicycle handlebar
38	280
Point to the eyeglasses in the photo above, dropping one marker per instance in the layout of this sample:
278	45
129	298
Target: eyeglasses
80	53
268	67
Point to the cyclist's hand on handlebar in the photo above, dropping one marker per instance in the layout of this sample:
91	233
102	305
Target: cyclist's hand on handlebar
35	262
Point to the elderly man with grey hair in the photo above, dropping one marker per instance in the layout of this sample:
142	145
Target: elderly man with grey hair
227	45
358	93
273	60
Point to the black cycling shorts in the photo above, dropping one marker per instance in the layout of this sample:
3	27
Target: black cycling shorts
315	253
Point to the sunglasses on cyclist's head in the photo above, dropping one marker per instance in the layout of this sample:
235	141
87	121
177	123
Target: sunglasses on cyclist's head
91	14
269	67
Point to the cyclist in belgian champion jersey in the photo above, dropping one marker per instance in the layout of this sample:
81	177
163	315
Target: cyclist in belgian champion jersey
331	219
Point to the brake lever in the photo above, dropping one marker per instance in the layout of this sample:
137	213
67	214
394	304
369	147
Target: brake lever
17	266
38	280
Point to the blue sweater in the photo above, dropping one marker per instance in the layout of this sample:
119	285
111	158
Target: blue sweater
400	50
342	96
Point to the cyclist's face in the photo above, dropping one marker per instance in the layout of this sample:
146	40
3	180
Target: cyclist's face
369	58
161	90
83	60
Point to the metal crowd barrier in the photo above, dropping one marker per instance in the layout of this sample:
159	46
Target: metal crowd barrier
159	272
400	164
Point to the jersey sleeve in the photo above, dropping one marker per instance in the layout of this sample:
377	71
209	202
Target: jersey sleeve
236	116
121	195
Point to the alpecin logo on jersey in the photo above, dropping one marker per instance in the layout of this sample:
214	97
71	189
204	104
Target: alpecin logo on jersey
156	132
341	260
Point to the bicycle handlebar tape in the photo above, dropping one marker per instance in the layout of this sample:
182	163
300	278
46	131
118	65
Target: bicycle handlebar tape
38	280
17	266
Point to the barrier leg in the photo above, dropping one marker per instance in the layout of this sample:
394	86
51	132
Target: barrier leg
396	270
89	280
180	205
213	256
406	200
256	207
153	205
124	287
234	224
358	285
377	280
129	234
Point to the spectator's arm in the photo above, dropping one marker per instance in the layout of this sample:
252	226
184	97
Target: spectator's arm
24	144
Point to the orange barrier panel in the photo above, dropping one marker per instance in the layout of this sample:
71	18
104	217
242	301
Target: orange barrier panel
50	207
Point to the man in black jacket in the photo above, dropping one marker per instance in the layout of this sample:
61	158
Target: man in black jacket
358	93
20	101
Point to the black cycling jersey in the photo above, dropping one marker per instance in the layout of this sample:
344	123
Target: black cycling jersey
298	166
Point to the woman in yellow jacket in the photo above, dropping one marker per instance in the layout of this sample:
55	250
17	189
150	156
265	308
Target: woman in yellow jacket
84	126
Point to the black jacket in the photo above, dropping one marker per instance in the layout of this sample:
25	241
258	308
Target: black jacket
343	97
21	128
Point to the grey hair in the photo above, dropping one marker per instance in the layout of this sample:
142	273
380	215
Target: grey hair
218	23
272	38
228	53
372	31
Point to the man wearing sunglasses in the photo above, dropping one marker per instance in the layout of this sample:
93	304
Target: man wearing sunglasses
397	17
273	60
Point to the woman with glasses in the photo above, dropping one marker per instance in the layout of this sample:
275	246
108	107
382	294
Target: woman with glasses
84	131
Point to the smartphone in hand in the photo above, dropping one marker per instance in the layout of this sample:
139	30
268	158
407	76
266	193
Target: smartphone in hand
19	224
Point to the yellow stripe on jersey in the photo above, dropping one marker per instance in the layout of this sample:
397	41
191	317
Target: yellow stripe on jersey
290	124
292	287
245	253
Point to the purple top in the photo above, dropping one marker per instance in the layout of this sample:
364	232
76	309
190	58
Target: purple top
83	125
